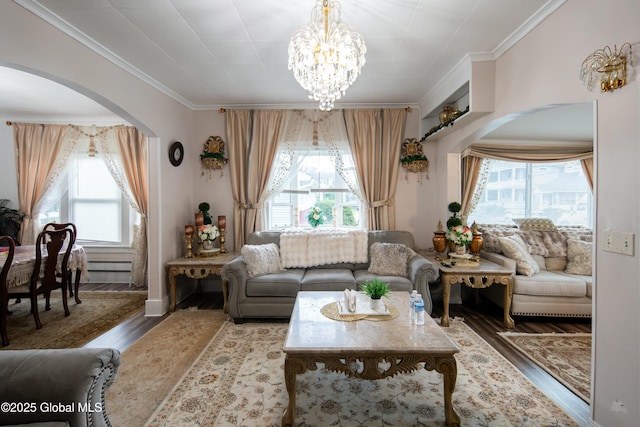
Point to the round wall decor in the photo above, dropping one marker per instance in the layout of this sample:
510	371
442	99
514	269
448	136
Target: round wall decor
176	153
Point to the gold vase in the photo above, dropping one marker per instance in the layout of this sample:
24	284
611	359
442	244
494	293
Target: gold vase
476	244
439	239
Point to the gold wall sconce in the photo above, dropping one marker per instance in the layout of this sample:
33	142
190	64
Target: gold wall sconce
606	68
212	156
413	159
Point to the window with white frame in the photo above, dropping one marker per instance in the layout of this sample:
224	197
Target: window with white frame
91	199
557	190
315	182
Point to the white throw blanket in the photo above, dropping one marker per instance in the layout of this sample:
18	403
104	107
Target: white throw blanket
308	248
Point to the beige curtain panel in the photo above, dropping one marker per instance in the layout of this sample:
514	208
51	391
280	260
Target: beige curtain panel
375	138
534	153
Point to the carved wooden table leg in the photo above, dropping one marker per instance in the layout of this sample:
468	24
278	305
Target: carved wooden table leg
446	295
508	295
448	368
173	272
292	367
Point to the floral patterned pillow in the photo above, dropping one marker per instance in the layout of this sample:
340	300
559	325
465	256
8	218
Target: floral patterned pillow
261	259
515	248
389	259
578	257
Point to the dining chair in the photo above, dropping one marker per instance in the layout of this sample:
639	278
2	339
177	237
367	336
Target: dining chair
72	227
5	241
45	278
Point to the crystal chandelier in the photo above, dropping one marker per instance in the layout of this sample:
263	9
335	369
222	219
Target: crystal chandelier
326	56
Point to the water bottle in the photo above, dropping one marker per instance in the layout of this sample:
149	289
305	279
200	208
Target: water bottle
412	303
419	305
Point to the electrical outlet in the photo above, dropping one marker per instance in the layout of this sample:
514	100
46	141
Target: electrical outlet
609	241
626	243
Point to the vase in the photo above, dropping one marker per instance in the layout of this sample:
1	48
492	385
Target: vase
461	249
377	305
476	244
207	244
439	241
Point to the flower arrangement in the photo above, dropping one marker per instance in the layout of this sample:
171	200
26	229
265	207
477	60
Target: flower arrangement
460	235
315	217
208	232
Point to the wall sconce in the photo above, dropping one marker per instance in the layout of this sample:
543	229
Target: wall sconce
606	68
212	156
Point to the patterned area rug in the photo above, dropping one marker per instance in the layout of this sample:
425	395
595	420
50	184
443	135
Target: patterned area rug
156	362
567	357
98	312
238	380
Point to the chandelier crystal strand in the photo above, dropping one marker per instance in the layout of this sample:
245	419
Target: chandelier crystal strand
326	56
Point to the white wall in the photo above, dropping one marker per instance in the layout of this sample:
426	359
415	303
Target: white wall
38	47
543	69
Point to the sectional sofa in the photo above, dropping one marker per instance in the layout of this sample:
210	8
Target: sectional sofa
552	267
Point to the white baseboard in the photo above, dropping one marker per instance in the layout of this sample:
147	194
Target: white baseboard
156	307
591	423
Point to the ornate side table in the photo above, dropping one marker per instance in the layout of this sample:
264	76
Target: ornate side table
482	275
198	268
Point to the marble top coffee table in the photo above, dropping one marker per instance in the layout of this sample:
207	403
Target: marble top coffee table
314	338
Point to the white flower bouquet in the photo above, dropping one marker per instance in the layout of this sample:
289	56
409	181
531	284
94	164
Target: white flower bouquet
208	232
460	235
315	217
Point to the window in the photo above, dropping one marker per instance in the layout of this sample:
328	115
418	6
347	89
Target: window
558	191
313	182
93	201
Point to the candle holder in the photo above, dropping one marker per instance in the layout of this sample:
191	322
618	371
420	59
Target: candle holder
188	238
222	248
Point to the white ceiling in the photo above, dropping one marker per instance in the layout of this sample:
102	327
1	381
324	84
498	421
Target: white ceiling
232	53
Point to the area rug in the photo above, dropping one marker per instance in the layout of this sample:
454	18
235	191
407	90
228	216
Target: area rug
152	366
566	357
98	312
238	380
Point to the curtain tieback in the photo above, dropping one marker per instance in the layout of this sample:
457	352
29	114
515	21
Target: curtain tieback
380	203
245	206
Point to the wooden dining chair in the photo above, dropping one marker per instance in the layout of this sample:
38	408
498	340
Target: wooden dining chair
45	279
5	241
73	228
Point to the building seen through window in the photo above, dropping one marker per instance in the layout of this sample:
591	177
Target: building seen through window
558	191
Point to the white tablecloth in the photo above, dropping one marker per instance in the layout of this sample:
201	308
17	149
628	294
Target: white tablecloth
25	258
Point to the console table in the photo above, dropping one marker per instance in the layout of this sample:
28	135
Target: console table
482	275
198	268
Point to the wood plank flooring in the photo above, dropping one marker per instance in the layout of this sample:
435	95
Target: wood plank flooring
485	319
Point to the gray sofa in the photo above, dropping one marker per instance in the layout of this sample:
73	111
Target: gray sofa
64	387
273	295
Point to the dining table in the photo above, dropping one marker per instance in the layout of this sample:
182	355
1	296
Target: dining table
24	260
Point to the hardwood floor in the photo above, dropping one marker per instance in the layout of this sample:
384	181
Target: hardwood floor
485	319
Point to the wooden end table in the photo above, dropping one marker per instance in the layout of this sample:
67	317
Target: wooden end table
199	268
482	275
385	347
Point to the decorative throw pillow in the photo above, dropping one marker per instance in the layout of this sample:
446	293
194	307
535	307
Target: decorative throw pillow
389	259
578	257
261	259
515	248
535	224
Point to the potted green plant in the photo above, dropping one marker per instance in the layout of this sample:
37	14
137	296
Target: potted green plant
375	289
204	208
454	219
10	221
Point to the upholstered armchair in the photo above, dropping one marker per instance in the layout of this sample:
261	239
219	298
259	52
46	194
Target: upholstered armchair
64	387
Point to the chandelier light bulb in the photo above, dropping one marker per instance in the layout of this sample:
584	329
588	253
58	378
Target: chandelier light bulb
326	56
